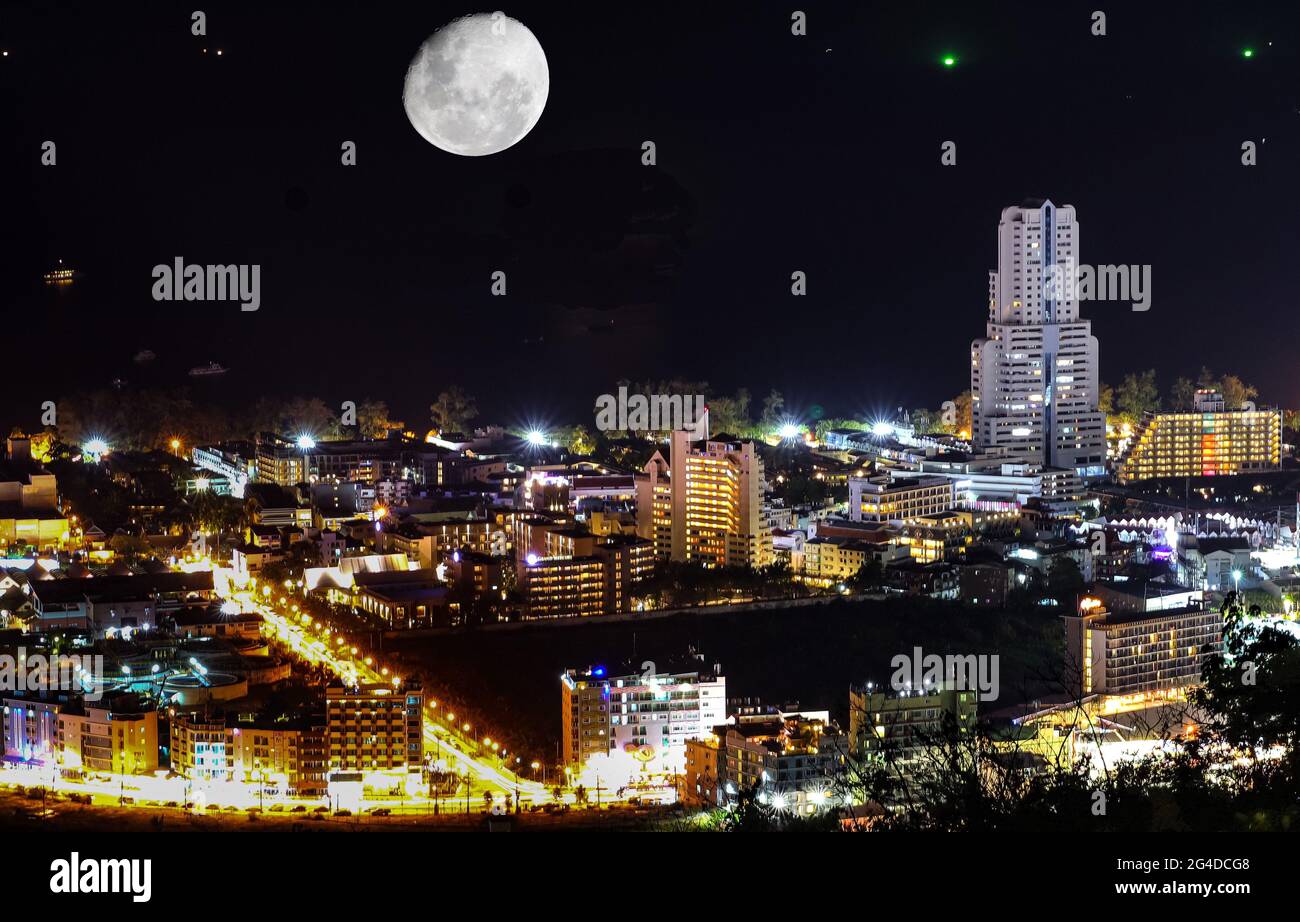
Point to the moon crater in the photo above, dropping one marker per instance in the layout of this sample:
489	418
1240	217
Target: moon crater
477	85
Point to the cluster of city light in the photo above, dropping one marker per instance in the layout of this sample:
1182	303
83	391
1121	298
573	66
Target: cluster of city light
437	736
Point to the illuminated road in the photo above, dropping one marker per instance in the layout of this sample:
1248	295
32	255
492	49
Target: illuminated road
318	645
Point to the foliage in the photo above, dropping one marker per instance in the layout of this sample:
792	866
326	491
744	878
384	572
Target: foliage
453	410
1137	395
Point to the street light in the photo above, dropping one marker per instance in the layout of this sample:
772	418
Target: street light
1236	581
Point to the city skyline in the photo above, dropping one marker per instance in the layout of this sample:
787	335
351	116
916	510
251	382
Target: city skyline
647	418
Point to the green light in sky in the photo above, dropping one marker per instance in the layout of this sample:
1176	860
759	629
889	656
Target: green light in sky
1248	52
949	60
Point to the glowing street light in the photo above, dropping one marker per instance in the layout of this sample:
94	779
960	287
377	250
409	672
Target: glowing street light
536	437
95	446
306	442
789	430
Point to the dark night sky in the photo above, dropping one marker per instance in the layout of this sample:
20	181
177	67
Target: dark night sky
775	154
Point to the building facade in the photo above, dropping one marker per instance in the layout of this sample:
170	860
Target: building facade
651	714
705	503
894	499
375	728
900	727
1205	441
1136	652
1034	374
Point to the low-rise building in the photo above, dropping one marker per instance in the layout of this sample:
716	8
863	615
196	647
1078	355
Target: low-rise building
402	599
888	498
986	585
792	762
282	756
112	604
900	727
936	580
201	748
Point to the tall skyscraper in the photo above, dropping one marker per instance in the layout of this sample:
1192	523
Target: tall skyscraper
1034	386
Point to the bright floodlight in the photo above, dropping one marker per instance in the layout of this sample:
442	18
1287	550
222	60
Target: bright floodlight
306	442
230	608
536	437
789	431
96	446
882	429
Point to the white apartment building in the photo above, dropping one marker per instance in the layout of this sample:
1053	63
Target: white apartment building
890	498
649	714
1034	384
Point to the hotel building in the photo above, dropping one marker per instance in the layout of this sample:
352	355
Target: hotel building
1034	384
893	499
648	714
375	728
705	504
1206	441
1126	653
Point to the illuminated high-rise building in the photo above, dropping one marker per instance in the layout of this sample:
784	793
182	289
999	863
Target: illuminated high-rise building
705	503
1034	384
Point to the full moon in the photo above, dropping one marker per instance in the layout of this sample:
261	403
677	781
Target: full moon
477	85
